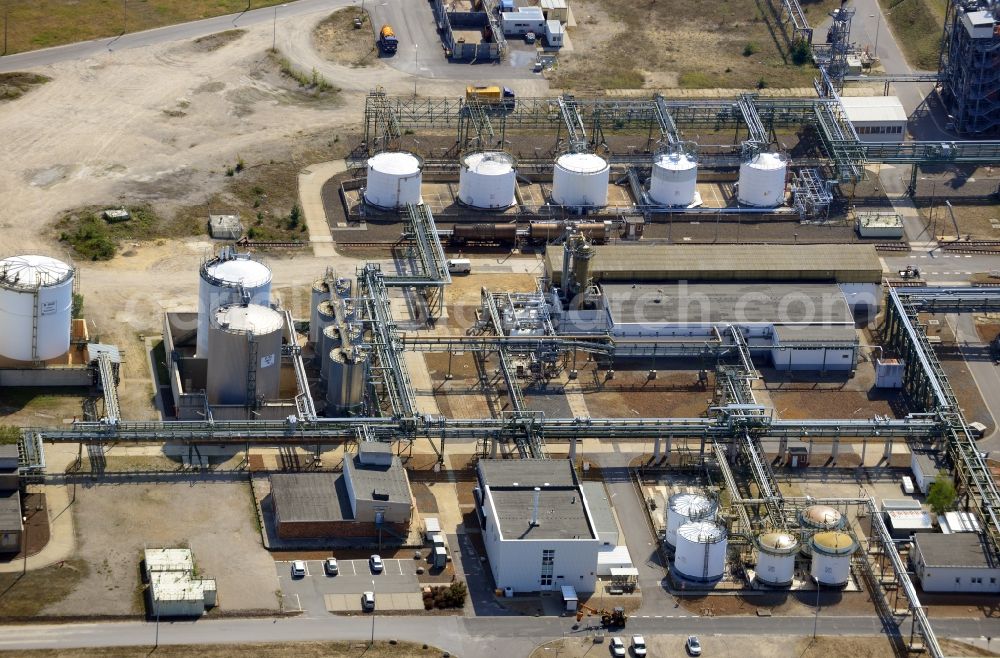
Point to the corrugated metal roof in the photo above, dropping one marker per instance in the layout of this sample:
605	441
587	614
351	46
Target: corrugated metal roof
856	263
877	109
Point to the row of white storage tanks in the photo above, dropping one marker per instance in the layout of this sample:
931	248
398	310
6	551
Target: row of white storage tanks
700	544
488	179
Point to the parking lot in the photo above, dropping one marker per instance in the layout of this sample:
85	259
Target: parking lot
316	594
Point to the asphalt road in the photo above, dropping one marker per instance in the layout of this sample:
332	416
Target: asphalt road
939	267
486	637
984	373
166	34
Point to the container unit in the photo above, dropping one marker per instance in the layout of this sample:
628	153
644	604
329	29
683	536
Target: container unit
818	518
487	180
701	551
580	181
244	354
776	558
394	179
329	340
325	316
762	180
686	507
675	179
36	307
319	294
346	381
224	280
831	557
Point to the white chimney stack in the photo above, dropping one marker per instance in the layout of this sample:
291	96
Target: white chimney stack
534	510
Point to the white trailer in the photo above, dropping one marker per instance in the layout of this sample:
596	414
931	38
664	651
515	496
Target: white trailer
925	469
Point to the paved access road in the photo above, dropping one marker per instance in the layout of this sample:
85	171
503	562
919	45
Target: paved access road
485	637
939	267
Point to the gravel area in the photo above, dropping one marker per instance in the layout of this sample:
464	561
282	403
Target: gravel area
116	522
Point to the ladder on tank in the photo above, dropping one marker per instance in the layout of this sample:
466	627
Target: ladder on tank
251	400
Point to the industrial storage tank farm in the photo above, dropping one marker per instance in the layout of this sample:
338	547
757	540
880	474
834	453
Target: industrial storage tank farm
36	307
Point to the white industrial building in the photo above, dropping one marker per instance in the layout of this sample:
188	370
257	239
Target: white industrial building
555	32
174	591
876	118
925	467
797	326
537	526
955	563
524	20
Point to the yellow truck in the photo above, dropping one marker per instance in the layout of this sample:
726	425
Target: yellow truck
387	40
494	95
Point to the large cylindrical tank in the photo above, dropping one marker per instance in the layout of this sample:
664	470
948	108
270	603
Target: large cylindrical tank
222	277
674	180
580	180
817	518
762	180
685	507
36	307
831	558
394	179
776	558
325	316
329	340
346	381
583	253
244	354
487	180
701	551
320	293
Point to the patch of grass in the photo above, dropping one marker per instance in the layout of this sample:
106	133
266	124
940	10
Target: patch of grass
9	435
700	80
312	81
27	595
284	650
93	238
615	72
217	40
46	23
917	29
14	85
336	38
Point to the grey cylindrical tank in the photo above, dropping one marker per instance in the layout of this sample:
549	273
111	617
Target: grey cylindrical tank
325	316
343	287
329	340
346	381
320	293
242	339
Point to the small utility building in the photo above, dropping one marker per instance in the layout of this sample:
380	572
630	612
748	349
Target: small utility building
955	563
524	20
537	527
372	492
174	591
876	118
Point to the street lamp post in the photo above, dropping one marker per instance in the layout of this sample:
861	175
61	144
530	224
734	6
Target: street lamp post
878	27
374	608
274	28
6	11
24	520
124	16
416	69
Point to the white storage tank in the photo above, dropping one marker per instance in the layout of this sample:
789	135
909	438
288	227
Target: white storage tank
675	179
685	507
580	180
394	179
487	180
776	558
818	518
222	277
36	307
242	339
701	551
346	381
831	558
762	180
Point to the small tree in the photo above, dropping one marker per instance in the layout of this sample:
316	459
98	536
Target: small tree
941	495
801	52
294	216
77	305
9	435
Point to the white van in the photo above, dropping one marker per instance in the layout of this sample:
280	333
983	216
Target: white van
459	265
908	485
